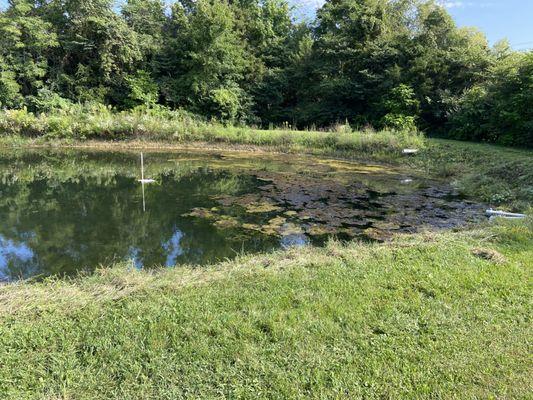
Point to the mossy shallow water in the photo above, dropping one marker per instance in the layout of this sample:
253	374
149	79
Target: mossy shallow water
321	198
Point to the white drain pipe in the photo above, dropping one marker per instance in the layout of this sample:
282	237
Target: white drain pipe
503	214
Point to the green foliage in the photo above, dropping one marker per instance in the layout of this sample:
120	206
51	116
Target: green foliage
143	90
98	50
146	18
204	60
401	64
47	101
443	62
157	123
499	110
25	42
402	109
9	89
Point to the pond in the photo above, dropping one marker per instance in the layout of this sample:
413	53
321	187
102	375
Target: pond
69	211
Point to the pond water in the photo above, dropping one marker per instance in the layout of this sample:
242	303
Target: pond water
66	211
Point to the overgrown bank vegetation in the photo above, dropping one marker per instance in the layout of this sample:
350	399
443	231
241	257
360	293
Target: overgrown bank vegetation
81	123
394	64
442	315
495	175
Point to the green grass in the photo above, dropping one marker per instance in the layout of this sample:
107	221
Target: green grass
499	176
180	127
422	317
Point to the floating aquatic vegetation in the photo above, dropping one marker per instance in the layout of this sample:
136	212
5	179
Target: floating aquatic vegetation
263	207
333	197
227	222
320	230
202	213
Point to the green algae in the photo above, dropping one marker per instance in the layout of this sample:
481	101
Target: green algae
318	198
263	207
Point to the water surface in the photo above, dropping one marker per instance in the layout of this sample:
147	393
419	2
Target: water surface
65	211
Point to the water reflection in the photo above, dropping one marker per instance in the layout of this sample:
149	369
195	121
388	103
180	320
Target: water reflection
86	209
62	212
295	239
173	248
14	259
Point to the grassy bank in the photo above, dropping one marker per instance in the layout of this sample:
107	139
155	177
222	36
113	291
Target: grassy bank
499	176
180	127
427	316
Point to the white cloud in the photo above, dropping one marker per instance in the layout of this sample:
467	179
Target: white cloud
463	4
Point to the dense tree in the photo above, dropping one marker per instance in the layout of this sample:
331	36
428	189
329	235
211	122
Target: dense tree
499	108
401	64
271	41
25	40
348	60
203	60
443	61
97	51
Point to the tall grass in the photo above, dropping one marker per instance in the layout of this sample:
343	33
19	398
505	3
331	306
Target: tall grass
99	122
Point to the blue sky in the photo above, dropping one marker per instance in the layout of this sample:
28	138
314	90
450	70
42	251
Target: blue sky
511	19
498	19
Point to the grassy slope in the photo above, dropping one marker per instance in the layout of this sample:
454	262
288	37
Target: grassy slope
499	176
419	318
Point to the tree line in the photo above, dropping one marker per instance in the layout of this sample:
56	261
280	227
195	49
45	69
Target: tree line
400	64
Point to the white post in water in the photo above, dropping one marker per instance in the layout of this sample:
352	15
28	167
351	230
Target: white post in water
142	168
144	200
142	181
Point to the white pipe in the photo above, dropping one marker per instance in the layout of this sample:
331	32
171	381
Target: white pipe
142	172
495	213
144	199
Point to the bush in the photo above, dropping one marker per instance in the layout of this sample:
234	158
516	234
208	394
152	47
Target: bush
47	101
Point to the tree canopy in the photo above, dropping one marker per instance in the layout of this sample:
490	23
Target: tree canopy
401	64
